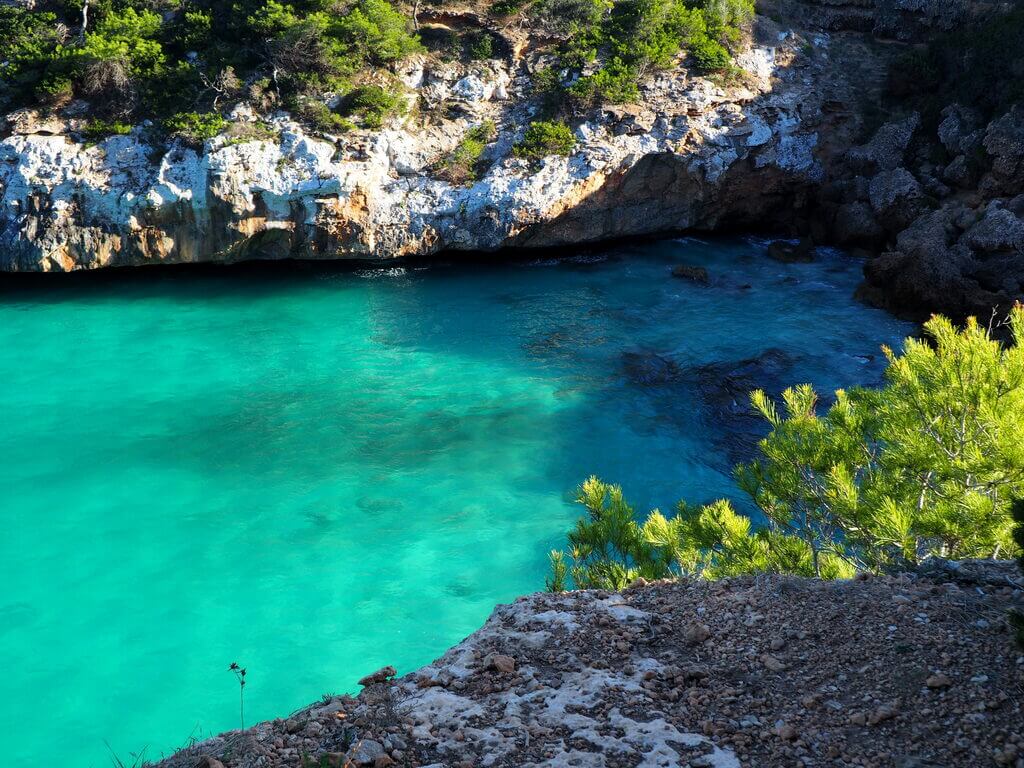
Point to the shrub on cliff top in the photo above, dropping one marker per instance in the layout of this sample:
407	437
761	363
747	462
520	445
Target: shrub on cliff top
463	164
928	464
631	37
543	138
147	58
194	128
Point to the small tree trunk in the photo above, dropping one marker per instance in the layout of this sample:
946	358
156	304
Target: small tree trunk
85	18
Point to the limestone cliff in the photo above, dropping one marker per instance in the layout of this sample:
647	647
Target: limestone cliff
786	145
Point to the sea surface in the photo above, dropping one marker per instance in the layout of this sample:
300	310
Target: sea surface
317	471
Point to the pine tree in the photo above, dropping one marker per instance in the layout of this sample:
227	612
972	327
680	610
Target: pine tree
928	464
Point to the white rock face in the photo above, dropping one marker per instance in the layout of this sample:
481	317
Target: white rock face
65	205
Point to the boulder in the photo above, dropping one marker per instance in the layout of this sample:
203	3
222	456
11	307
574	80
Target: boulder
382	675
1000	230
366	752
896	198
856	226
1004	142
959	130
960	173
887	147
29	122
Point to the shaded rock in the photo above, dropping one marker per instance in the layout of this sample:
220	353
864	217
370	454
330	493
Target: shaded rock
896	198
1016	206
856	226
959	130
380	676
929	271
688	272
960	173
887	147
938	681
697	633
725	391
722	384
999	230
29	122
366	752
911	19
506	665
1004	142
881	714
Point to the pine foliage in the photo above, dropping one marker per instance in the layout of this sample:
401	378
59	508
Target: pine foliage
928	464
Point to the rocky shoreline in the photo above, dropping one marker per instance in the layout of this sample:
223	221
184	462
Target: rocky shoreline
912	671
787	144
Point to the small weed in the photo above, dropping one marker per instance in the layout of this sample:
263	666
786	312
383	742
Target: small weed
138	759
240	676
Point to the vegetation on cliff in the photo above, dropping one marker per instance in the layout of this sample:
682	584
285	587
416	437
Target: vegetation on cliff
929	464
327	61
977	65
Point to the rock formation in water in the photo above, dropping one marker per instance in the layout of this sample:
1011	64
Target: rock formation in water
780	147
911	670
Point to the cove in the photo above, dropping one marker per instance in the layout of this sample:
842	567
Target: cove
320	471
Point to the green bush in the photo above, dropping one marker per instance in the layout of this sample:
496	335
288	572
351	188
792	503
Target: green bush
376	32
609	549
29	40
101	129
709	55
139	59
571	16
479	46
929	464
507	7
977	65
543	138
631	37
194	128
462	165
55	89
320	116
616	83
373	103
128	37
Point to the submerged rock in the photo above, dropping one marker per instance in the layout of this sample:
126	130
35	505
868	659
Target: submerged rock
649	369
725	389
688	272
792	253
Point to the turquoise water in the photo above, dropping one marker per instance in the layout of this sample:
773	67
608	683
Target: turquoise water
317	472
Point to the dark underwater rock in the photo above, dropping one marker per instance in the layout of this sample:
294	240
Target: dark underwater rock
791	253
689	272
648	369
725	388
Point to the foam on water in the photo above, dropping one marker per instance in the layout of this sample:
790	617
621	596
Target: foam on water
318	473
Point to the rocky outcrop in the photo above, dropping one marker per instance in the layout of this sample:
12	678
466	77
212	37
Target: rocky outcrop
909	670
691	155
936	209
957	245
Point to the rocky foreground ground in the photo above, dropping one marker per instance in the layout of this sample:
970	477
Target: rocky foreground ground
909	671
